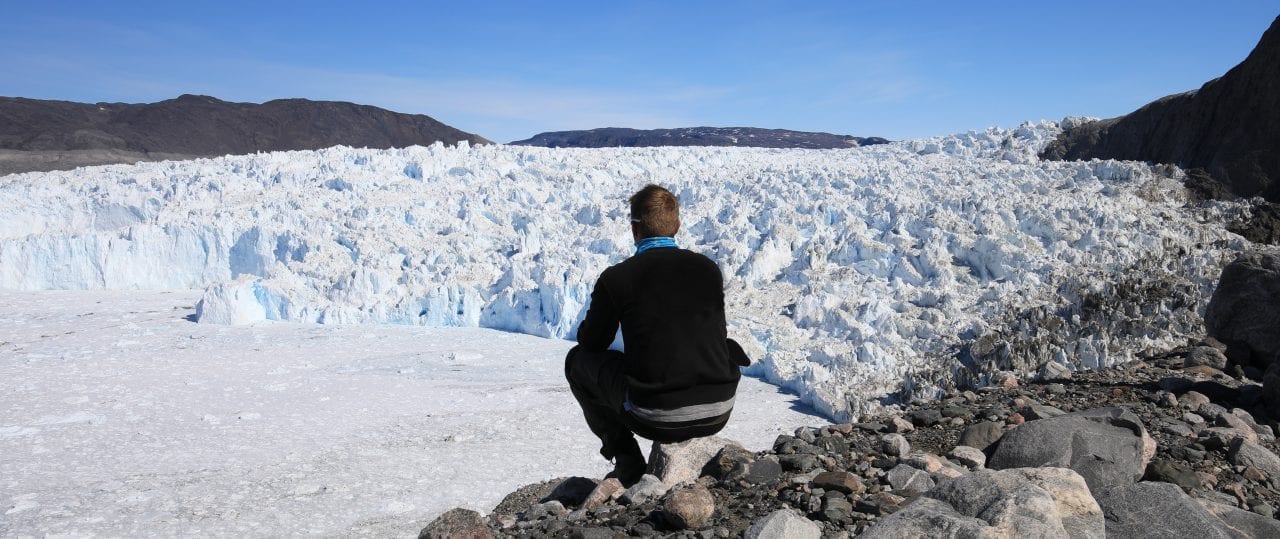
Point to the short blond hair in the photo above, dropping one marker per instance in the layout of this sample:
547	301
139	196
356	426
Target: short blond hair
655	212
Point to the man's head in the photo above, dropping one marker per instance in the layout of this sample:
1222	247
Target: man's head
654	212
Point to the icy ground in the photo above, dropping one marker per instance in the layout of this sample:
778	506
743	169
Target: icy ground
123	418
852	274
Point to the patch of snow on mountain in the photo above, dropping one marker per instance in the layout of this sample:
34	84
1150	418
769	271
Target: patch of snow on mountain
851	274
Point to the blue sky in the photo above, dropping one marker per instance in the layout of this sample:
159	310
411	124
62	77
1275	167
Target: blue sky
508	70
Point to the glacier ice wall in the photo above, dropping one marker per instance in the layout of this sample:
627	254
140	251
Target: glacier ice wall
851	274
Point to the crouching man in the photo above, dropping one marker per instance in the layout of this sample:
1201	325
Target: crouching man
679	373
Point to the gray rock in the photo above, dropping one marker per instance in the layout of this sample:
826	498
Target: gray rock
1177	429
970	457
1193	399
1265	433
1103	446
1193	418
1218	437
895	445
898	424
457	524
689	508
1050	502
926	417
844	482
927	517
1173	472
552	508
1246	453
1205	356
907	481
1241	523
982	435
1152	509
783	524
730	458
572	491
1053	371
880	503
763	471
605	491
1211	411
1246	304
684	462
647	488
837	510
799	462
924	461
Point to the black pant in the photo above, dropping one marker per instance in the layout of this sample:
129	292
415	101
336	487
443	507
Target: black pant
600	386
599	382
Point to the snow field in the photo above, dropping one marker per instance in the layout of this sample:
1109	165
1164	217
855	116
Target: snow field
123	419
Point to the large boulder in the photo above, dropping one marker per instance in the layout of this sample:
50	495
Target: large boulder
1152	509
685	461
1046	502
1245	308
1106	446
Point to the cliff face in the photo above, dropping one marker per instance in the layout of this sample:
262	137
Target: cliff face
1230	127
63	134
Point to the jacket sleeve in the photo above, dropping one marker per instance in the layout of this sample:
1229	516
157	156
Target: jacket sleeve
598	328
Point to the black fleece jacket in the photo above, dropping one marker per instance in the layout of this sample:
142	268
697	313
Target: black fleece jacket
670	303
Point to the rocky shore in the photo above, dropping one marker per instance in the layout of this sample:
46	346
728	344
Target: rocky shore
1178	443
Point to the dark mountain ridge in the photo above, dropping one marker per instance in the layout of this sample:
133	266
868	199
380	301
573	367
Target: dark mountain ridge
608	137
1230	127
47	135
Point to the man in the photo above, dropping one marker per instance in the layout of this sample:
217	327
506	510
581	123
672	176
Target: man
679	373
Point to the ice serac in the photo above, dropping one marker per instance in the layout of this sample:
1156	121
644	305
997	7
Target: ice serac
852	275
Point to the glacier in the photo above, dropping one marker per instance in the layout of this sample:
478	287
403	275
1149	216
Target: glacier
857	277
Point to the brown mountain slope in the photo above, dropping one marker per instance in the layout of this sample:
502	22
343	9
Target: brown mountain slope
49	135
1230	127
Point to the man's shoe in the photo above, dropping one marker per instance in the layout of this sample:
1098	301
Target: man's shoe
627	469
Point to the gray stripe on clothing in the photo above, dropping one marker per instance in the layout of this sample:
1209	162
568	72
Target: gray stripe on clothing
684	413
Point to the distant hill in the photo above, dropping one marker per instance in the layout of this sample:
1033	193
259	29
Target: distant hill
51	135
1230	127
695	136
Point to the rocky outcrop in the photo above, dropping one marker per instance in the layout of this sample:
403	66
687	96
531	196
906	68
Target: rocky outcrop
1244	312
610	137
56	135
1229	127
1214	459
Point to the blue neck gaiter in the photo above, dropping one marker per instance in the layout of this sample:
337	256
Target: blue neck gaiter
654	242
